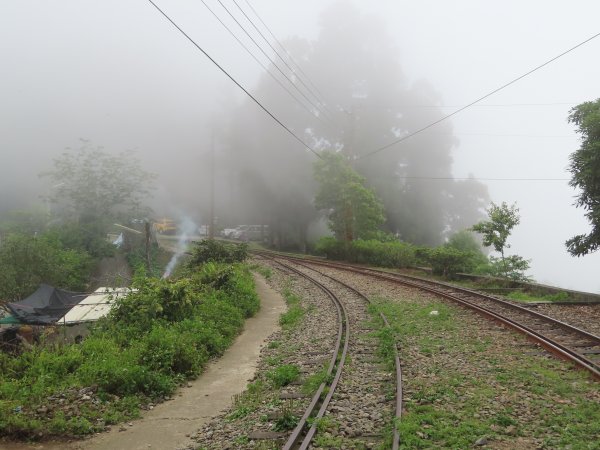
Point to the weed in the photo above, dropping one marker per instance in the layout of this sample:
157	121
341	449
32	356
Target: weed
284	375
287	421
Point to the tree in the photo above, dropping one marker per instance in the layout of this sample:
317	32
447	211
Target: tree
356	66
585	175
495	233
27	261
354	211
89	184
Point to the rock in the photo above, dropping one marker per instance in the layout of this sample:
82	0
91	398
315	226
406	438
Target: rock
481	441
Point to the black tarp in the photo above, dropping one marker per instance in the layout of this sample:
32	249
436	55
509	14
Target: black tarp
45	306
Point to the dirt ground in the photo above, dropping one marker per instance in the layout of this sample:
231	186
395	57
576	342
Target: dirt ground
169	425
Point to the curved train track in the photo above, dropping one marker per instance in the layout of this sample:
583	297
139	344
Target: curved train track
561	339
306	429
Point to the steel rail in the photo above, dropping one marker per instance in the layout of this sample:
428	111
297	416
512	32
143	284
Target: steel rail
560	350
337	361
398	367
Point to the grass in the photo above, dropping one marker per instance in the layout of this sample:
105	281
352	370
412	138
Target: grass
283	375
459	388
525	297
153	340
295	312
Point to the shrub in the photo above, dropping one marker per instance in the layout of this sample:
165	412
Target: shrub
447	261
373	252
211	250
152	340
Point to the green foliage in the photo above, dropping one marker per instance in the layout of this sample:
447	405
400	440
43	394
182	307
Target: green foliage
294	313
526	297
287	421
90	184
284	375
211	250
585	175
447	261
27	261
28	222
153	339
372	252
512	267
495	231
354	211
90	237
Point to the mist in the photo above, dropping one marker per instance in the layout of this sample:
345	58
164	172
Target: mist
120	76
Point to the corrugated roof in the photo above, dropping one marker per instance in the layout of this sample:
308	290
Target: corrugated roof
94	306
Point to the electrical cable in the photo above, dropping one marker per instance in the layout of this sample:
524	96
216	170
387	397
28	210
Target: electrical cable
420	130
320	101
271	60
289	55
483	179
259	62
234	80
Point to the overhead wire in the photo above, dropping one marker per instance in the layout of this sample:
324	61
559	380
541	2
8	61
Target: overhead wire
286	51
482	179
266	69
234	80
319	100
271	59
420	130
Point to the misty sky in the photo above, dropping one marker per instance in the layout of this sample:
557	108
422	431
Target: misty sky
116	73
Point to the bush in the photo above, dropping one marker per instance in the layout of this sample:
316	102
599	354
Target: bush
153	339
27	261
211	250
372	252
447	261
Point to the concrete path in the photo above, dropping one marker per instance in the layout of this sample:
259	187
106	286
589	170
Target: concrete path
168	424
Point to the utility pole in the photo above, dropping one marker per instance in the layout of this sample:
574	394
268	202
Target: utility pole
147	229
211	227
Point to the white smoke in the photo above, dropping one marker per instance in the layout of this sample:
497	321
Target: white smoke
187	228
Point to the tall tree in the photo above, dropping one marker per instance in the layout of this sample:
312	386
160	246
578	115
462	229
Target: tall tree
353	210
585	175
368	103
89	184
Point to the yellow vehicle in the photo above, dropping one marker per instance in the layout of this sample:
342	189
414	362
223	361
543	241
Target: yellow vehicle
165	226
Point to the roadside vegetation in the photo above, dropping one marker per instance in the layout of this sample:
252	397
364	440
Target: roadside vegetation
153	340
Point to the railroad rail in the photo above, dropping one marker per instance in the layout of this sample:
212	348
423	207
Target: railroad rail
304	432
561	339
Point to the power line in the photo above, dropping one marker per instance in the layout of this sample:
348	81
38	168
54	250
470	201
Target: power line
259	62
269	58
234	80
492	105
483	179
288	54
277	53
420	130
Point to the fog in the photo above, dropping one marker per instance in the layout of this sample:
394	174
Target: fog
118	74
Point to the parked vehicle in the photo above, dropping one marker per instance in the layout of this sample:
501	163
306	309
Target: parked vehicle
228	232
247	233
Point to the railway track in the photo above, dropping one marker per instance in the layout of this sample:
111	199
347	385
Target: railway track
561	339
337	399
